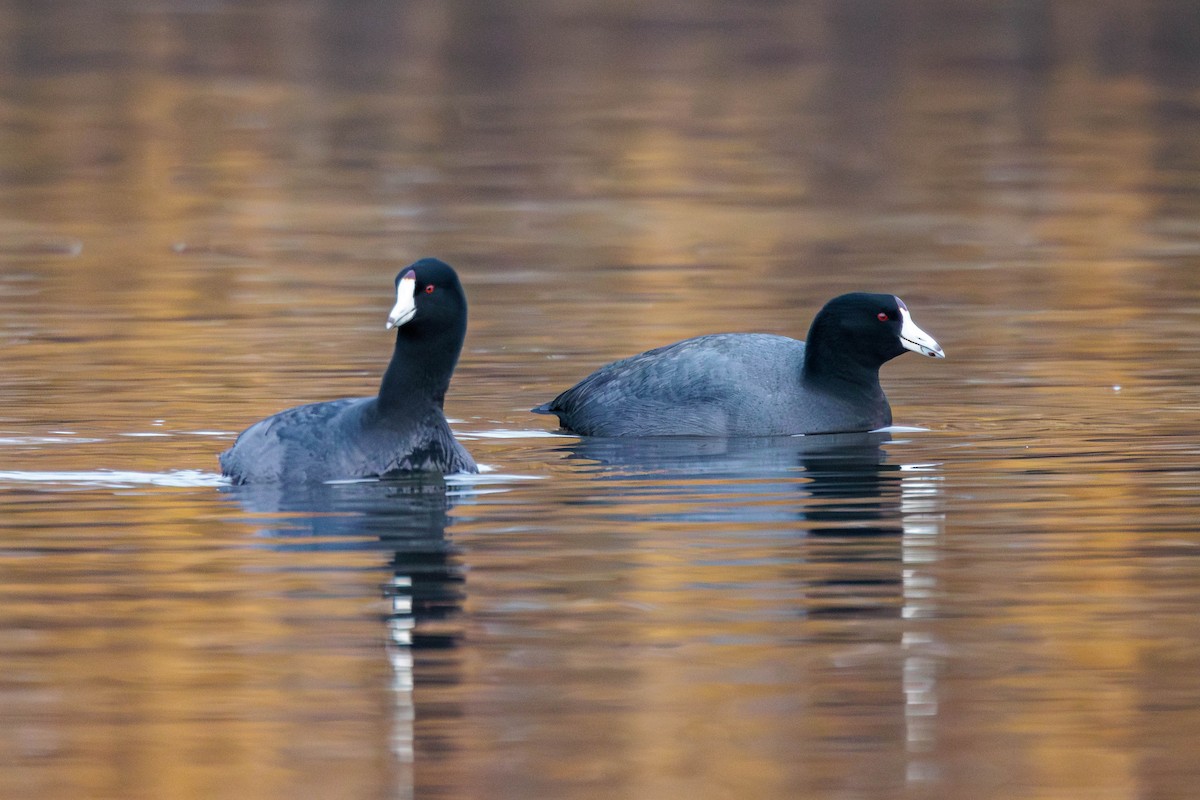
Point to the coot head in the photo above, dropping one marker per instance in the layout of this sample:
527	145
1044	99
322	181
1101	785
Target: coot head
429	299
867	330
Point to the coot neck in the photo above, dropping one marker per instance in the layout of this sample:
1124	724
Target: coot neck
421	366
831	360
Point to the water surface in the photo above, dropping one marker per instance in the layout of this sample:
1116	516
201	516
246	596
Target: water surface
202	208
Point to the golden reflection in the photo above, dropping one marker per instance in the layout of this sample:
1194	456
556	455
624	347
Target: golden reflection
201	211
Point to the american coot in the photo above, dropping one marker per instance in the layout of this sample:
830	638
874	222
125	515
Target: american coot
401	430
753	384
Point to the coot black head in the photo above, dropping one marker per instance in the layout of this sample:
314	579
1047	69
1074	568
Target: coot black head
429	299
431	317
861	331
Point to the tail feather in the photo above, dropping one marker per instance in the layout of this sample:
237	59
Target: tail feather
544	408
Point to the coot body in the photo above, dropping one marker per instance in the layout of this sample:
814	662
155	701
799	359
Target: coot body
402	429
753	384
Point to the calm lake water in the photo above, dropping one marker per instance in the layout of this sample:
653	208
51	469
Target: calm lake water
203	206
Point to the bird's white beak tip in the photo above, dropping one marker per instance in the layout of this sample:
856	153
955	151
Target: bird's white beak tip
917	340
406	305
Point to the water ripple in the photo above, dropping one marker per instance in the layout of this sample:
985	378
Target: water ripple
115	479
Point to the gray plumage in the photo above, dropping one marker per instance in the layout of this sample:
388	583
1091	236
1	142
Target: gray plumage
343	439
752	384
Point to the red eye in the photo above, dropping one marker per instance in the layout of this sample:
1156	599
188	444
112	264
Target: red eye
882	316
429	289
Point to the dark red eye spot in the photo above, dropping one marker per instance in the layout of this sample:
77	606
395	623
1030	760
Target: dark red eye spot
882	316
429	289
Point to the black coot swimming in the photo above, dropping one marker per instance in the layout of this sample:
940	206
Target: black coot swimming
402	429
753	384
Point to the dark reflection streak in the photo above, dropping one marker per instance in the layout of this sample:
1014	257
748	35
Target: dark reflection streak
407	519
841	500
865	529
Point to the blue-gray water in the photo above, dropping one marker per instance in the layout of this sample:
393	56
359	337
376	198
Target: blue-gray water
203	205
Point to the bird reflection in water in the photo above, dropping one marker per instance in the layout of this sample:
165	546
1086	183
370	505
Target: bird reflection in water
406	519
860	535
858	518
